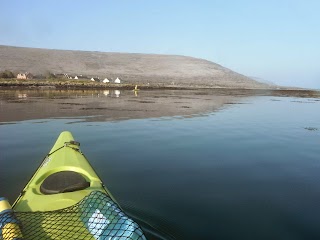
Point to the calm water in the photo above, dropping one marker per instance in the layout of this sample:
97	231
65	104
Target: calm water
242	171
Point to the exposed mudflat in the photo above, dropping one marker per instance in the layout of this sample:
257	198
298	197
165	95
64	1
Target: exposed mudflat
108	105
105	105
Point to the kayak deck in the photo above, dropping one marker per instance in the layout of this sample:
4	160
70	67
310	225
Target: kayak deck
65	199
65	156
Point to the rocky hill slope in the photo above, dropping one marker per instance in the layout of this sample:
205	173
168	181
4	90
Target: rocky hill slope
130	67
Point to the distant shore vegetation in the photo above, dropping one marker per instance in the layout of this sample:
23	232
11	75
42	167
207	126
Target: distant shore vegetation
7	74
49	81
55	76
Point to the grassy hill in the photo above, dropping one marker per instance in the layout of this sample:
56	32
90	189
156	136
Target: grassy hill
130	67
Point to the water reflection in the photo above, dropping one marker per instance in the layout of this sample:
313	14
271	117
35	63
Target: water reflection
27	104
111	93
250	161
22	95
106	92
117	93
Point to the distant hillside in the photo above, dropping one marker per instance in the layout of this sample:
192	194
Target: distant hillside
130	67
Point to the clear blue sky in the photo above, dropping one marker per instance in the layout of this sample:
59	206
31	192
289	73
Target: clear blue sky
276	40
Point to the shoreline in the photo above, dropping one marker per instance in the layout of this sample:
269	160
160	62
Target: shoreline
80	84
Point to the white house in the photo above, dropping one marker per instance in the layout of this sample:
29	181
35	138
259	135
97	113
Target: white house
117	80
24	76
106	80
92	79
76	77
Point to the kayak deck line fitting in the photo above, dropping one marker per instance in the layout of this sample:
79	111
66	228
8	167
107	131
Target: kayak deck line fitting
65	199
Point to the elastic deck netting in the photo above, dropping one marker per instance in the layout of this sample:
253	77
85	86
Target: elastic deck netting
94	217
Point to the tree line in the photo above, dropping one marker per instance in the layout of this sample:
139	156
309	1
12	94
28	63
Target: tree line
7	74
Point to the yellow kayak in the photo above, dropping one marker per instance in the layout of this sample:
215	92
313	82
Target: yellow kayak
65	199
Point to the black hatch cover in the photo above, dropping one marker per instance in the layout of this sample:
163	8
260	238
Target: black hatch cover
64	181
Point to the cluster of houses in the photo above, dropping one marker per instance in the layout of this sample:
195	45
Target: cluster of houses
96	79
28	75
81	77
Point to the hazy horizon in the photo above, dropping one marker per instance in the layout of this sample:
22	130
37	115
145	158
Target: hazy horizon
273	41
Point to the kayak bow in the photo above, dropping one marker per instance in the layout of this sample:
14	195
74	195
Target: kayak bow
65	199
64	178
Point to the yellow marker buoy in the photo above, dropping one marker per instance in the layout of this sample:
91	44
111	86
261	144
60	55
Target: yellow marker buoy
136	88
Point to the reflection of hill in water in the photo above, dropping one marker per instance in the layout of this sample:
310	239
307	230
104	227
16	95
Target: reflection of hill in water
106	105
